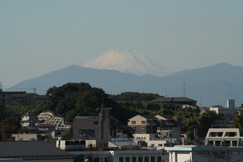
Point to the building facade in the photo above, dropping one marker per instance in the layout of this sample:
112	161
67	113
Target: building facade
191	153
224	137
95	127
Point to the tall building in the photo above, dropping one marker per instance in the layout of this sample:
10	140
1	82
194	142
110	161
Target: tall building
100	127
230	103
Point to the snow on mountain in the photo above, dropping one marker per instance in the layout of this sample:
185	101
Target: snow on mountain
127	61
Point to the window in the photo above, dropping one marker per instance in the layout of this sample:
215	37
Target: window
158	158
95	122
234	143
143	122
134	159
146	159
152	159
120	159
160	144
227	143
133	122
231	134
134	128
143	128
127	159
217	143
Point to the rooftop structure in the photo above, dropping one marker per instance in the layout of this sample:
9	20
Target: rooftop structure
193	153
33	150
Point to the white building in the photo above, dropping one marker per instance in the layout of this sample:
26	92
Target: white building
154	142
49	118
230	103
191	153
224	137
225	111
124	156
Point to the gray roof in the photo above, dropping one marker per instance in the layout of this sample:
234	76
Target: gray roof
168	117
29	148
149	117
173	99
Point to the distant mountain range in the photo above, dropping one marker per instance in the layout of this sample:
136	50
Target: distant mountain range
211	85
127	61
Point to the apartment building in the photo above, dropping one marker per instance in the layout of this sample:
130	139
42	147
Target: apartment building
224	137
99	128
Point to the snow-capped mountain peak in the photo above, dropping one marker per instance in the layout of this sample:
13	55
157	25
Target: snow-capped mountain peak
127	61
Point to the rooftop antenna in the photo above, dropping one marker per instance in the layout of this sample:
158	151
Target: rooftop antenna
102	101
1	87
184	89
201	101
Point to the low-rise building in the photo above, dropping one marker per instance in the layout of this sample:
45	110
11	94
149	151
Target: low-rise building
191	153
154	141
50	119
224	137
28	120
33	151
143	124
124	156
225	111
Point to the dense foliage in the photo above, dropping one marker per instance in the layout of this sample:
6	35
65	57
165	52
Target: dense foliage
238	120
80	99
8	126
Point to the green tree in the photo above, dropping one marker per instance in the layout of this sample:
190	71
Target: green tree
238	120
9	126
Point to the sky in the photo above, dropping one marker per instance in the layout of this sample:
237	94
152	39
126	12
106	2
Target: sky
37	37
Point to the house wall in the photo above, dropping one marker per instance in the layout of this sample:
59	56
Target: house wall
25	137
142	125
90	126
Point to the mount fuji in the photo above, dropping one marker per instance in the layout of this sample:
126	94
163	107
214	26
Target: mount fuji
127	61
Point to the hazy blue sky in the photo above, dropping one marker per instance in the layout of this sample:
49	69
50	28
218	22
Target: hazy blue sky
38	37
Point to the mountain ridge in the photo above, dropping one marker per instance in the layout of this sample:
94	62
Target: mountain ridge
211	89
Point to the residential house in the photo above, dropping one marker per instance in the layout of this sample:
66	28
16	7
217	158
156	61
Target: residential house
143	124
28	120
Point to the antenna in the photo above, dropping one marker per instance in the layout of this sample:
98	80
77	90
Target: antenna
102	101
201	101
184	89
1	87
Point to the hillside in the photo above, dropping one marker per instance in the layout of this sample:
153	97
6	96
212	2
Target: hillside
211	85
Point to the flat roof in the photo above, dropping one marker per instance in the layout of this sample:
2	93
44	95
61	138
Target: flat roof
202	148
